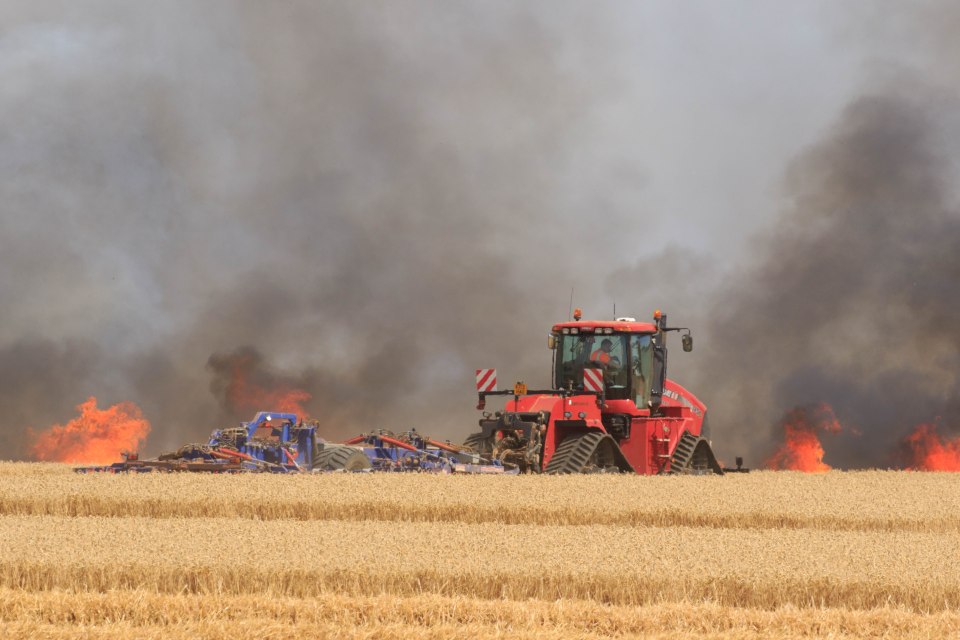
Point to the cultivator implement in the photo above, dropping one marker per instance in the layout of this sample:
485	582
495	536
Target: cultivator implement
409	451
280	443
211	462
270	443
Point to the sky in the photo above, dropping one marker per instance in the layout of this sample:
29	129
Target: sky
370	200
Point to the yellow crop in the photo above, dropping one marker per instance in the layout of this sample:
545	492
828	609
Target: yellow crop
396	555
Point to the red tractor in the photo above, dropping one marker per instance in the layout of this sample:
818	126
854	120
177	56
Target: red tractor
610	408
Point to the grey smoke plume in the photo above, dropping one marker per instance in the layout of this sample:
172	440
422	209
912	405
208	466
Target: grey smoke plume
362	196
849	300
42	382
370	200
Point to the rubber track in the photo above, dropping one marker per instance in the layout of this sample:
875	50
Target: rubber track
574	452
683	454
338	457
478	443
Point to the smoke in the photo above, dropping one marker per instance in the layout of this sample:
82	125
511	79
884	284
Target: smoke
244	386
848	301
356	202
40	378
206	207
846	296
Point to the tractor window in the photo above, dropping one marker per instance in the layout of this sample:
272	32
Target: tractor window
607	352
641	351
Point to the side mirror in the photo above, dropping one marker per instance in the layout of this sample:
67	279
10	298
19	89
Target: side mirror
551	341
687	341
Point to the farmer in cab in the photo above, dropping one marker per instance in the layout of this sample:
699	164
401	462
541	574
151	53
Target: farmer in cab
602	355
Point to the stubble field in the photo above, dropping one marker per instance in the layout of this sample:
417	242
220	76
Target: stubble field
394	556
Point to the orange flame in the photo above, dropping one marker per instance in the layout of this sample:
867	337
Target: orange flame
801	449
247	397
926	450
96	436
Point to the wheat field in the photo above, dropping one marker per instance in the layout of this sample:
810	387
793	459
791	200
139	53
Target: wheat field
864	554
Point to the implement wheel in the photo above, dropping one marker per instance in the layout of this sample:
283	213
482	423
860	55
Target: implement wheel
342	457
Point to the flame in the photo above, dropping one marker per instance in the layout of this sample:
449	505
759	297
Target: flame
801	449
96	436
926	450
245	396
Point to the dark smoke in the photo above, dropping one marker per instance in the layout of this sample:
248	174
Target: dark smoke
369	200
364	196
851	300
40	378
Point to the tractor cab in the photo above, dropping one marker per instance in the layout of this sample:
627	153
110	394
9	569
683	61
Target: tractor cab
622	355
627	356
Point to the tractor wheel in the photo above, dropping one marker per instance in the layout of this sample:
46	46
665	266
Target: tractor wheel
342	457
589	452
693	456
480	444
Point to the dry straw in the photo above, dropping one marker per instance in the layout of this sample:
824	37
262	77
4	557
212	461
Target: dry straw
397	556
143	614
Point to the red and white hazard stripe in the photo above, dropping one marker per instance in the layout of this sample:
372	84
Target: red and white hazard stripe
486	379
592	380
